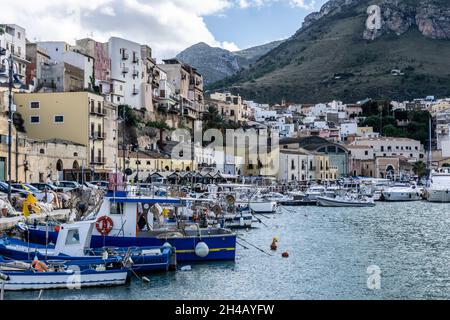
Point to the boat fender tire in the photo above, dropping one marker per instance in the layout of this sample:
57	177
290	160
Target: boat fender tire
201	249
104	225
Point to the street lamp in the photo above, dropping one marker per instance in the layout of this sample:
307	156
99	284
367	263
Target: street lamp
13	81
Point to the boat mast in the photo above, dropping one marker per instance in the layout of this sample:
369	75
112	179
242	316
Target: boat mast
429	160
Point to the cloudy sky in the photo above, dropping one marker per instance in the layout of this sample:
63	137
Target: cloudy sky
168	26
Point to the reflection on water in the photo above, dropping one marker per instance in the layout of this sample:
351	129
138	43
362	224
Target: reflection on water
330	251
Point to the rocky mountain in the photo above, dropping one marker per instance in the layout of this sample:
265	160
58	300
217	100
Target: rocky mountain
354	49
216	63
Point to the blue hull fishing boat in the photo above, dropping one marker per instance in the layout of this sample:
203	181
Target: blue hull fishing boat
126	220
73	243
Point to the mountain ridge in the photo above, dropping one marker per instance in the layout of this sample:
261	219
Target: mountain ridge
215	63
335	55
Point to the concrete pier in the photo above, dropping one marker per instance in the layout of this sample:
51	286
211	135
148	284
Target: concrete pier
8	223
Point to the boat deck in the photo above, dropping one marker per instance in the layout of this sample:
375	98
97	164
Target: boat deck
8	223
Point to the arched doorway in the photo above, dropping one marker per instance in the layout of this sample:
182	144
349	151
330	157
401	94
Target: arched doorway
75	165
60	169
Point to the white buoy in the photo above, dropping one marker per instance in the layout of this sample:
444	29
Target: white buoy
186	268
201	249
167	245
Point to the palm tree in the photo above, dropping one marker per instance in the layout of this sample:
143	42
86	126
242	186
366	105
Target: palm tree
420	169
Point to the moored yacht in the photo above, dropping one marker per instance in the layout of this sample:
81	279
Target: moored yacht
402	193
439	189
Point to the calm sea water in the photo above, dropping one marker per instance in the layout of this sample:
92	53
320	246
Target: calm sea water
330	250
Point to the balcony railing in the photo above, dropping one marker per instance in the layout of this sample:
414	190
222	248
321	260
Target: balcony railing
135	91
125	56
98	135
97	111
135	73
98	160
125	70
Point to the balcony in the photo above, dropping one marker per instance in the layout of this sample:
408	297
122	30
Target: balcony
135	73
135	59
98	112
125	70
125	56
98	160
98	135
135	91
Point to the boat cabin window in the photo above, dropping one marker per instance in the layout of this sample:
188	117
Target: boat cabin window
116	208
73	237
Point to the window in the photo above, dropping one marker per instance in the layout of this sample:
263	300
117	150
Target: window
58	119
73	237
116	208
35	104
34	119
366	153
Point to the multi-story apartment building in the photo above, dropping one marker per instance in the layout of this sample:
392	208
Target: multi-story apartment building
149	98
60	77
65	56
443	132
80	117
37	57
411	149
126	72
99	51
301	165
188	84
337	153
12	39
230	107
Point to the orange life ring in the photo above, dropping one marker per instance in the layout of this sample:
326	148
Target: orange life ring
39	266
104	225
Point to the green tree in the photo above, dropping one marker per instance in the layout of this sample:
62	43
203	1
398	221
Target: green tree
420	169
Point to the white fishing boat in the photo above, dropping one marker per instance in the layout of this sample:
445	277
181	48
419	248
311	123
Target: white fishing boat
18	275
402	193
345	202
314	192
439	189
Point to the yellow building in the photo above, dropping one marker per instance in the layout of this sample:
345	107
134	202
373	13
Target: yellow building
149	162
230	107
80	117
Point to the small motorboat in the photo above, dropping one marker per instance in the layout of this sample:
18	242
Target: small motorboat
345	202
39	275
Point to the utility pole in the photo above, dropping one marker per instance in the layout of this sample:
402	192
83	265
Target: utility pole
123	138
10	121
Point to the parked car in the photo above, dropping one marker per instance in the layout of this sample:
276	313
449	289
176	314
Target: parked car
101	184
4	189
67	186
46	186
40	195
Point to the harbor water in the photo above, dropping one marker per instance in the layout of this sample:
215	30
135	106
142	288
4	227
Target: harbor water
330	251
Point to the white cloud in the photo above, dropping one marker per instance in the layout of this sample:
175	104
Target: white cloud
168	26
230	46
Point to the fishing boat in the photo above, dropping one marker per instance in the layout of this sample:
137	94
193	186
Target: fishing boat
127	220
346	201
73	243
25	275
439	188
402	193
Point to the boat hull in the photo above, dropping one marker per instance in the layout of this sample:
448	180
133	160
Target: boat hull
141	263
439	196
221	247
29	280
327	202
